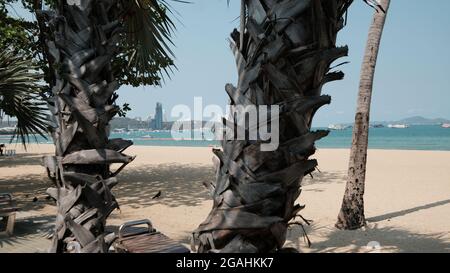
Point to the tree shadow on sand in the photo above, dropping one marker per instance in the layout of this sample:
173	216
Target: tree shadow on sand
25	188
390	239
179	185
26	231
407	211
29	191
25	159
318	180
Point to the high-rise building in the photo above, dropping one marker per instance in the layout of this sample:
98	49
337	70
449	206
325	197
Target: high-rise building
151	122
158	117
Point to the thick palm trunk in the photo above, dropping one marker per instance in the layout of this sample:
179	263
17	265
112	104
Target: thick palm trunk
351	215
285	60
84	41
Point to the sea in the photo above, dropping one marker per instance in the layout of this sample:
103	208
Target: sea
420	137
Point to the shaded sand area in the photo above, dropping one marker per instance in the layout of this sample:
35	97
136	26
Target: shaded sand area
407	198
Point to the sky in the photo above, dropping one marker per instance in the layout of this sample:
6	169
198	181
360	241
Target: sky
411	79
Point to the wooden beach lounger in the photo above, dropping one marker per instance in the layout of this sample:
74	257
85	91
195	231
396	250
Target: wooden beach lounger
8	211
135	239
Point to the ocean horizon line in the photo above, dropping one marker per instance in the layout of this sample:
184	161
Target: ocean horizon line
420	138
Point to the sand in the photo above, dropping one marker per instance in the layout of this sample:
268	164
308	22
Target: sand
407	198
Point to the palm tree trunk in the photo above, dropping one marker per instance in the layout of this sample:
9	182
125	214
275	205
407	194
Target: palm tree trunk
84	41
285	60
351	215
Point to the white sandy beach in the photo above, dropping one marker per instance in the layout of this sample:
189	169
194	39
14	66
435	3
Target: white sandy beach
407	198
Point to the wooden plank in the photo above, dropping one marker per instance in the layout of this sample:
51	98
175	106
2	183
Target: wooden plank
5	211
150	243
7	205
6	197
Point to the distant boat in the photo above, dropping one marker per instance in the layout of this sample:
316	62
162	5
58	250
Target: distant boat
147	137
378	126
119	130
445	125
338	127
398	126
7	130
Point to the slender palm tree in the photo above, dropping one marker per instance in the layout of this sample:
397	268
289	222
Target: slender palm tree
83	40
351	215
283	54
20	96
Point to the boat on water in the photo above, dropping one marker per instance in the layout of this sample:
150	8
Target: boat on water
378	126
338	127
398	126
7	130
120	131
446	125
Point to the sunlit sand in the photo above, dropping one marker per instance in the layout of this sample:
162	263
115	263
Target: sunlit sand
407	199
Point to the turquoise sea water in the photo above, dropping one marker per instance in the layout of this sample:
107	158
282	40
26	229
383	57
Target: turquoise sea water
432	138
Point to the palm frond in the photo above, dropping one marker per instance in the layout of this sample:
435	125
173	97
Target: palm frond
20	96
149	28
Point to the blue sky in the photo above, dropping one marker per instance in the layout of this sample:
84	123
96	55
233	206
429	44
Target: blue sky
411	77
412	73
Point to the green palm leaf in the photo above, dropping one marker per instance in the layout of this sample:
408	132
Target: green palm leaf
148	34
20	96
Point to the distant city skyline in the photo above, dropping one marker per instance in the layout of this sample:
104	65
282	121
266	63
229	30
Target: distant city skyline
410	79
156	123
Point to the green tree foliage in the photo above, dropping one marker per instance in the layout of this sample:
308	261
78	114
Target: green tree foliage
144	55
20	96
22	36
